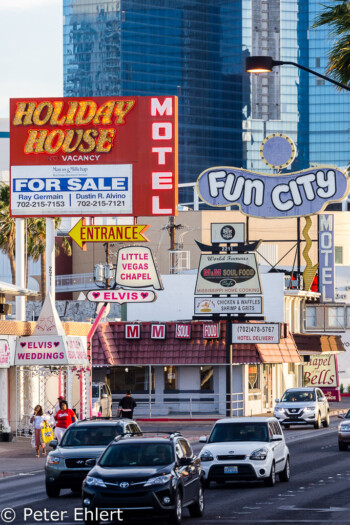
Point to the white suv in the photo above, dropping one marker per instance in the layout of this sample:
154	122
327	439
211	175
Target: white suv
302	406
101	400
245	449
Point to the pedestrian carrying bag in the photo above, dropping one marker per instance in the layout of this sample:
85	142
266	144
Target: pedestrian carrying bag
46	433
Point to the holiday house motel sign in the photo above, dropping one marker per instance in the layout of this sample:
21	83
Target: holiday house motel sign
102	156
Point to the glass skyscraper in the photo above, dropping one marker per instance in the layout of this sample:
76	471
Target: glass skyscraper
196	49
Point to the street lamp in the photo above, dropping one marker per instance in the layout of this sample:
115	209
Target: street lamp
265	64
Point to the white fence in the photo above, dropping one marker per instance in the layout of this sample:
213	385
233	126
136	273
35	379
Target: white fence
185	404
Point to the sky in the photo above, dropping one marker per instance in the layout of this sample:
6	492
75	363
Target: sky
31	50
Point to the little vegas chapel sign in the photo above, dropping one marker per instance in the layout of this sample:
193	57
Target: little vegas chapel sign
290	195
102	156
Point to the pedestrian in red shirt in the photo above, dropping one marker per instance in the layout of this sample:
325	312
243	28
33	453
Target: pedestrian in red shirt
64	417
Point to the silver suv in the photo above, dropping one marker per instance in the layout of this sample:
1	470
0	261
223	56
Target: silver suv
66	465
302	406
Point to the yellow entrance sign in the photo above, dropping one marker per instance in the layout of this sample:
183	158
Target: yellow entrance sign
82	233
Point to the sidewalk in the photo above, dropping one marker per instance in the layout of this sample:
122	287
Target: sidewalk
18	456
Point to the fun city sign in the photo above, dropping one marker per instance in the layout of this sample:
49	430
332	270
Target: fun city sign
289	195
82	233
102	156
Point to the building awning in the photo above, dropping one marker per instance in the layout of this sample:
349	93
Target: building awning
12	289
110	348
311	344
284	352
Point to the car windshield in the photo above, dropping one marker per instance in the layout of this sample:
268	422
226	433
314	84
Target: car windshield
95	391
300	396
347	415
239	432
90	436
137	455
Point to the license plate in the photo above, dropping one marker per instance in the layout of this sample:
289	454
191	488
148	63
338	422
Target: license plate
231	470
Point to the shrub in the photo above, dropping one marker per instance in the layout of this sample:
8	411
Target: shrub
349	389
341	388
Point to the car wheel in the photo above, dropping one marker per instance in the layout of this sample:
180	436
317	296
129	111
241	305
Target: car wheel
317	424
325	423
271	480
176	515
52	491
342	446
197	508
286	426
285	474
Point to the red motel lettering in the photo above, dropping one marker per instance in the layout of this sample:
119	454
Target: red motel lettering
132	331
161	132
158	331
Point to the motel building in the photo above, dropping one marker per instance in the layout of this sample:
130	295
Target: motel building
179	367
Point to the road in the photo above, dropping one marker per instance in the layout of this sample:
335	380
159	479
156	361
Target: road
318	492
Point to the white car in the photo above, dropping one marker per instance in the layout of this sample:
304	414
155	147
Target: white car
245	449
303	406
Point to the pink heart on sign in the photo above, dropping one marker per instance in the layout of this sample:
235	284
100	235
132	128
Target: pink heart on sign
23	344
56	344
144	295
95	295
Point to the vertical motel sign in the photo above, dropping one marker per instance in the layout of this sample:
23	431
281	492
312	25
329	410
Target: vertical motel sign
99	156
326	257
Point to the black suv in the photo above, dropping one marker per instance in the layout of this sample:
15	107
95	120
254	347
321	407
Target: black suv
66	464
145	476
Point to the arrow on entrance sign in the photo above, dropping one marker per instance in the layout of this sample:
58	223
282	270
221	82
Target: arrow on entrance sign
82	233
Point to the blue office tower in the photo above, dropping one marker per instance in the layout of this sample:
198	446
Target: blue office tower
196	49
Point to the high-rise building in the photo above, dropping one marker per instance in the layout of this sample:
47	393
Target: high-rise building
196	49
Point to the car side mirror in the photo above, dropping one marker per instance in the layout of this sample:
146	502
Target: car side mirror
203	439
53	443
104	396
90	462
277	437
277	400
185	461
341	416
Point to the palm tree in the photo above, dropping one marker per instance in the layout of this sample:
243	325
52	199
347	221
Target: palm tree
7	228
337	17
36	245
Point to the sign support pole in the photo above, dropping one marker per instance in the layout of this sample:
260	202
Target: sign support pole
20	269
50	258
229	385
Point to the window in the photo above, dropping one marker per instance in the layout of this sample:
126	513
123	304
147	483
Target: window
348	316
253	378
207	378
317	62
320	82
170	377
134	378
311	317
335	317
338	255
